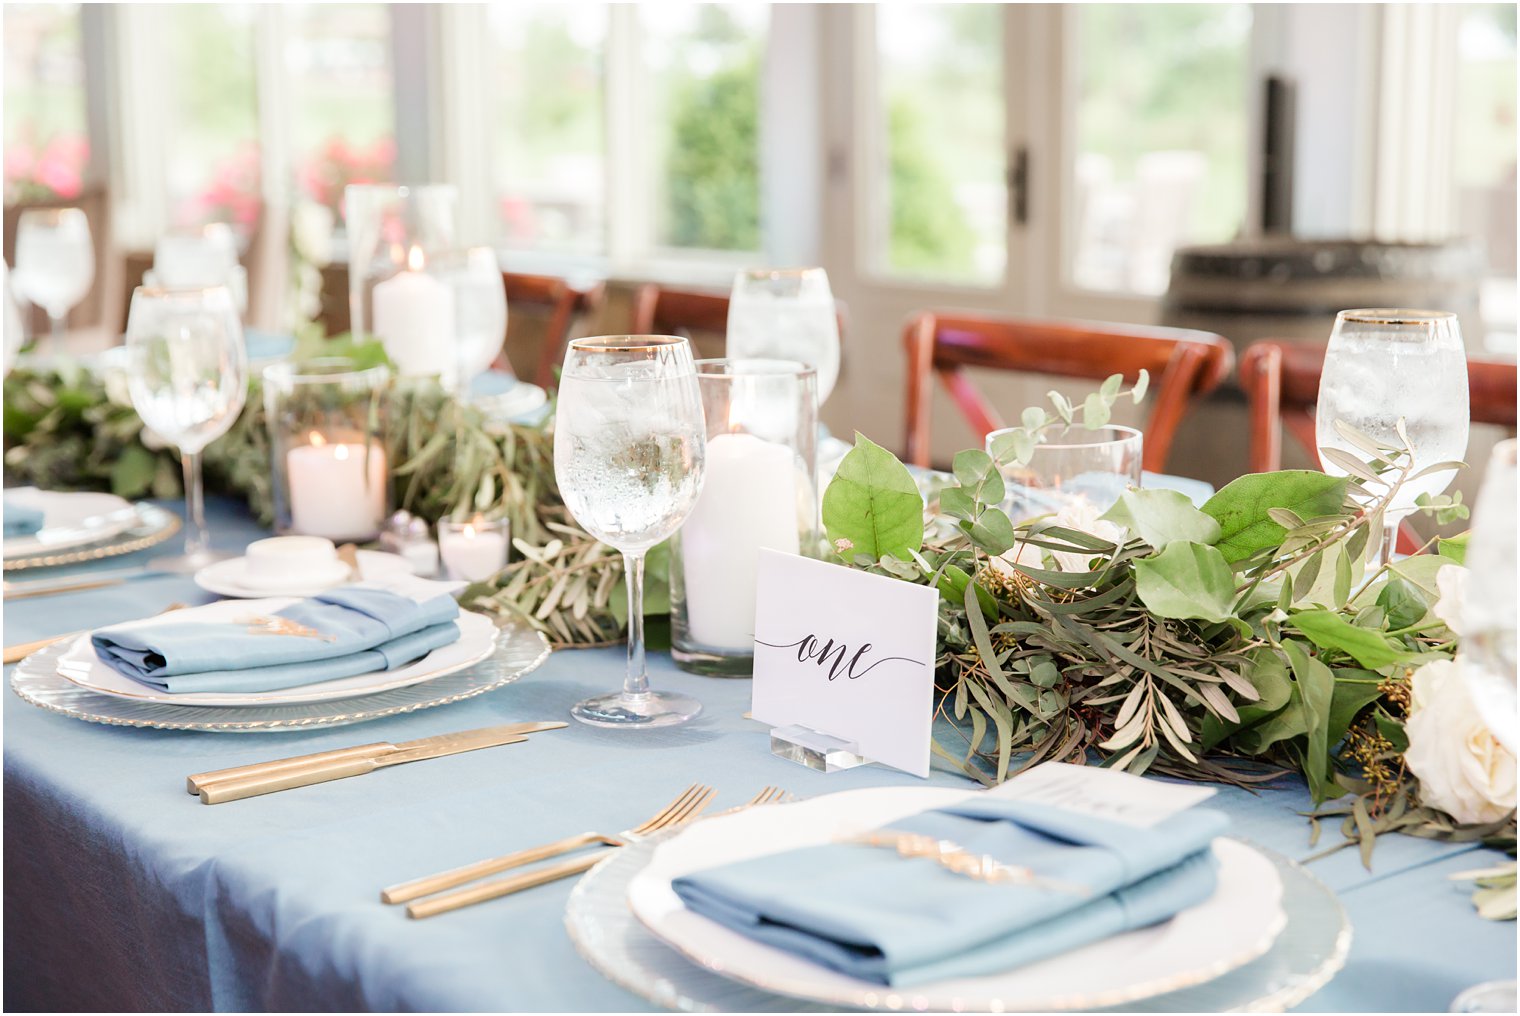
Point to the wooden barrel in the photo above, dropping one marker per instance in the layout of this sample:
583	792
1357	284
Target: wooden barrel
1291	290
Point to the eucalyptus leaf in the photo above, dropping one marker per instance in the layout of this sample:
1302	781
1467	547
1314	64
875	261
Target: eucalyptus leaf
1330	630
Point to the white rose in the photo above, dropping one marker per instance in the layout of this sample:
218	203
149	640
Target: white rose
1451	587
1026	554
1082	515
1462	769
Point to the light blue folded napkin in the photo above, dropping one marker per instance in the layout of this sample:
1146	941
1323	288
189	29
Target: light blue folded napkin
20	519
868	912
340	633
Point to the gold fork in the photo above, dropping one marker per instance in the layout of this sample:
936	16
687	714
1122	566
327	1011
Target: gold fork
551	873
691	801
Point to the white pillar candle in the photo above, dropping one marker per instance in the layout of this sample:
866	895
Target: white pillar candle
748	501
414	319
473	552
336	490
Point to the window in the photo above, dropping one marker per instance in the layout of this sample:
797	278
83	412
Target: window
1483	157
940	200
212	157
547	153
338	57
1159	158
703	66
46	144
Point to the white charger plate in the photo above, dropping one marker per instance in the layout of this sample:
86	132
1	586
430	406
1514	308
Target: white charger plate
226	578
80	666
1235	926
70	519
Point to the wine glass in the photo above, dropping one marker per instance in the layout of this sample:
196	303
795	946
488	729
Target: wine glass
188	377
204	256
786	314
55	260
1488	605
629	447
1383	366
480	313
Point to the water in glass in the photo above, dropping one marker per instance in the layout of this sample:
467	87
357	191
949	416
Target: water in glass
629	447
55	260
1383	366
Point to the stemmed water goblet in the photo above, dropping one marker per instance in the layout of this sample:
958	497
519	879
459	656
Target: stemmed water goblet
1384	366
55	261
786	314
629	450
188	378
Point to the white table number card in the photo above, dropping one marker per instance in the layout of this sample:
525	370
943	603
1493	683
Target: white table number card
847	653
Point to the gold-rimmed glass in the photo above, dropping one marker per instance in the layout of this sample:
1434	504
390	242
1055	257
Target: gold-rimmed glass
629	454
1386	365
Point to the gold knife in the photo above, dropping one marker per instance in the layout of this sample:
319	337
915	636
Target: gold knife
326	766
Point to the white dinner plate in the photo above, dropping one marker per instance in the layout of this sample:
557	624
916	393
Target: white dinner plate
226	578
477	638
1236	925
70	519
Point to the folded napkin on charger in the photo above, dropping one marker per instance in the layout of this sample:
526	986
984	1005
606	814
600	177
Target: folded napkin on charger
870	913
340	633
20	519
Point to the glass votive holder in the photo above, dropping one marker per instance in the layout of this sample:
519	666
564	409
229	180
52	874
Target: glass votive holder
1071	467
326	422
758	493
397	236
473	549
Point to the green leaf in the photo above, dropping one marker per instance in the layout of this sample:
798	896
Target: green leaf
1354	689
1330	630
1014	446
1095	411
1454	549
1314	687
1241	507
992	532
978	475
1403	603
1393	730
1162	517
132	472
874	504
1142	383
1268	674
1186	580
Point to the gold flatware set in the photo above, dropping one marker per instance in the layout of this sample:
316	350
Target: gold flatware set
446	891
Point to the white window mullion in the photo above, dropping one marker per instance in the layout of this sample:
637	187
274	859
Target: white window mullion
136	135
626	164
460	116
791	137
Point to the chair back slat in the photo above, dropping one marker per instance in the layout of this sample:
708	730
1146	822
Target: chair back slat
1281	380
1183	362
691	313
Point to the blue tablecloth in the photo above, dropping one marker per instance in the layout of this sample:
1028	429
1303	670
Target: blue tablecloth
123	892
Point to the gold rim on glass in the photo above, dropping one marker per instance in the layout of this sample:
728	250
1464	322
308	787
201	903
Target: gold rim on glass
1394	316
625	343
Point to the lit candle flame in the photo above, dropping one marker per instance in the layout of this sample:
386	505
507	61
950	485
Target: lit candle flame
340	452
318	439
414	259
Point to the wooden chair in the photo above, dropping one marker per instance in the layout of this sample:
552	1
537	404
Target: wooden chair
1184	364
1281	380
560	302
691	313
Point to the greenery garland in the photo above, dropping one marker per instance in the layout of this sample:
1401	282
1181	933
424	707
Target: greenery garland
1227	643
